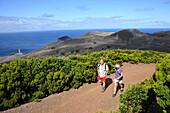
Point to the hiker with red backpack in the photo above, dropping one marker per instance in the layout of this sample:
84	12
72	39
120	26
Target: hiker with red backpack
102	70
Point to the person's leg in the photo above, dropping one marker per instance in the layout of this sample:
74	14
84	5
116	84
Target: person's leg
121	84
115	86
104	84
99	79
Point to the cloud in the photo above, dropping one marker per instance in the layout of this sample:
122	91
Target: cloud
17	24
167	2
143	9
47	15
13	24
159	22
82	7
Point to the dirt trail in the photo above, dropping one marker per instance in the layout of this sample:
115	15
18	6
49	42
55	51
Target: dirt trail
88	98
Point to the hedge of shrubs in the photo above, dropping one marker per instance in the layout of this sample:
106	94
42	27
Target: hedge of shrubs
27	80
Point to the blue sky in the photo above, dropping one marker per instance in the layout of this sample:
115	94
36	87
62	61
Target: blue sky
38	15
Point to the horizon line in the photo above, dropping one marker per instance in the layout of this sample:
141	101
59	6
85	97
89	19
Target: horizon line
75	29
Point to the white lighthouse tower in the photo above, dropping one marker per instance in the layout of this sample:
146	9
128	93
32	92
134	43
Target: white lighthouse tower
19	51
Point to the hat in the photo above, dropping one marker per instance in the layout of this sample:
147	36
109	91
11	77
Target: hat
117	66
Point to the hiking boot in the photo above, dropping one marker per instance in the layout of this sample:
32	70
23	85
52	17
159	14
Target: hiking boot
122	90
103	89
113	95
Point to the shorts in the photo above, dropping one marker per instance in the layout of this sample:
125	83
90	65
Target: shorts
101	78
119	81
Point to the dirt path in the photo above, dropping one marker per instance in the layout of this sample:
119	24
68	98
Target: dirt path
88	98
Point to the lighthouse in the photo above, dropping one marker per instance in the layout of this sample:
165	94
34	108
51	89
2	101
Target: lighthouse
19	51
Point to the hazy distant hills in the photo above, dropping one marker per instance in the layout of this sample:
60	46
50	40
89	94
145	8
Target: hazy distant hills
97	41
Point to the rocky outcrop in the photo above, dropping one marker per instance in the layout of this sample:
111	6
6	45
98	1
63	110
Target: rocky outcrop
64	38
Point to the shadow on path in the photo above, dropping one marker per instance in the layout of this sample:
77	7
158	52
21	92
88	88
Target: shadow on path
118	87
108	82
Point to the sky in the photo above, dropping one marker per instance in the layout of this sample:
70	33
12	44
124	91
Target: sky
40	15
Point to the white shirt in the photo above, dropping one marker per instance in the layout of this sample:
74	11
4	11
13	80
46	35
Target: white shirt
102	70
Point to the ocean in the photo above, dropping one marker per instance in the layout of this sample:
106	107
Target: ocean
30	41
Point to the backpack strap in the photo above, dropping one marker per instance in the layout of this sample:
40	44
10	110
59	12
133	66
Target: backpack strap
105	66
98	66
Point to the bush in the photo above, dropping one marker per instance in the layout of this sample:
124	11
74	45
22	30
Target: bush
72	51
77	50
52	47
12	54
57	51
62	53
108	46
94	42
36	100
90	48
131	100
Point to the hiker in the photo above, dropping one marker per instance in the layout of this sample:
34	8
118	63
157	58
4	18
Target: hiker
118	78
102	70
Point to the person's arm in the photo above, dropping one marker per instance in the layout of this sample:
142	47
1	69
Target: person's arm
107	72
120	76
107	69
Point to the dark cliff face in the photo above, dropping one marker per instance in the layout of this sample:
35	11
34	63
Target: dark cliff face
64	38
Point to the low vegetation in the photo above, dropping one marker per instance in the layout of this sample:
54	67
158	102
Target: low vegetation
52	47
12	54
63	53
94	42
90	48
108	46
27	80
75	51
57	51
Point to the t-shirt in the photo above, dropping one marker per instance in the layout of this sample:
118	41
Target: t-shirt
118	73
102	70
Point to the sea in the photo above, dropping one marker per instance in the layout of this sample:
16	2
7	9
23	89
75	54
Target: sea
32	40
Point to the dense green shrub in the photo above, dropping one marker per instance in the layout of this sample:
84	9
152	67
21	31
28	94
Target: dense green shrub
108	46
72	51
63	53
52	47
132	99
161	83
90	48
77	50
12	54
57	51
